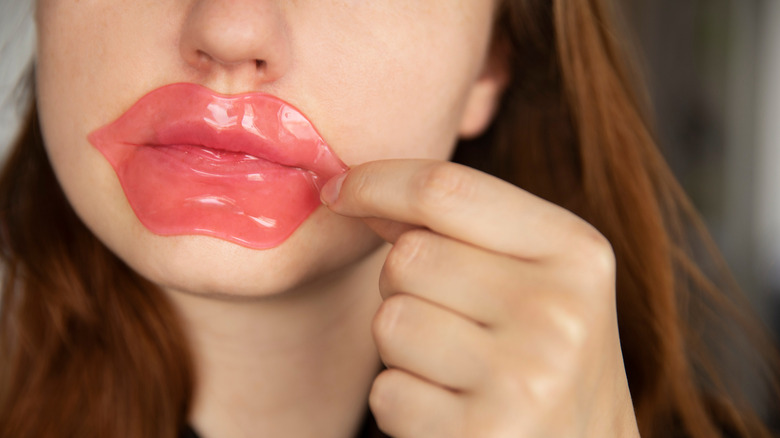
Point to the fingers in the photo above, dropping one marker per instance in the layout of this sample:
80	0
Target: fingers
431	342
407	406
496	302
455	201
490	289
449	273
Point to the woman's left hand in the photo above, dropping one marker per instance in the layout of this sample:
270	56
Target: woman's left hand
499	315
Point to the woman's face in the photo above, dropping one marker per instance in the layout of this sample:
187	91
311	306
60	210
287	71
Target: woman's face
378	79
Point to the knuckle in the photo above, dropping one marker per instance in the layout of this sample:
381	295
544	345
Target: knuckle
595	258
385	322
382	395
359	187
406	251
442	186
569	332
510	385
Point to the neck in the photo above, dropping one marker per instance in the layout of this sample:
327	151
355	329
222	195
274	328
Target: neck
299	364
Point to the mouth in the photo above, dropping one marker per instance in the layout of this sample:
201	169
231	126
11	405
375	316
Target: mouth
244	168
219	163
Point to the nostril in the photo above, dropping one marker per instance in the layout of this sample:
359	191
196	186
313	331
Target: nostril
203	58
243	38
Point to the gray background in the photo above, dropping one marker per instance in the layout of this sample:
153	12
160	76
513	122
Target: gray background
16	48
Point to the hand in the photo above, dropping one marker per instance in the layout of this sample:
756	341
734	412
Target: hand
499	315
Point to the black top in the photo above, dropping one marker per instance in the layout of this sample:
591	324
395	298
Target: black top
188	433
369	430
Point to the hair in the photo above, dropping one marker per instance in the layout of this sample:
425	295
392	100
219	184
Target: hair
91	349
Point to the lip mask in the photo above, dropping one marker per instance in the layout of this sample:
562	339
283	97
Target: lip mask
244	168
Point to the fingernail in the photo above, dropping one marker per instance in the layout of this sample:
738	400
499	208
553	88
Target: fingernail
330	192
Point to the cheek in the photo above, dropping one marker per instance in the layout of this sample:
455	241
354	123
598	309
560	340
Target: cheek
68	57
96	57
401	94
87	73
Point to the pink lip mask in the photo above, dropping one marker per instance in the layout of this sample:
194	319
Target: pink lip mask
245	168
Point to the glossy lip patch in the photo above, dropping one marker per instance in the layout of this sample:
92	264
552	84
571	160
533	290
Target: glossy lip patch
245	168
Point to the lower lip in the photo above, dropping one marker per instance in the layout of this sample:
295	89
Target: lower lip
183	189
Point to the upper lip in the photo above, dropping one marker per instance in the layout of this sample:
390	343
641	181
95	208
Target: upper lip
255	124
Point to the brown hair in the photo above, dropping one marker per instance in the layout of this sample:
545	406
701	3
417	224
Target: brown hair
573	130
90	349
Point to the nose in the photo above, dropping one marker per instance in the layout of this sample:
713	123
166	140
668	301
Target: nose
244	41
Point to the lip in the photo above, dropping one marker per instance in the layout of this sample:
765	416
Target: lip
246	168
256	124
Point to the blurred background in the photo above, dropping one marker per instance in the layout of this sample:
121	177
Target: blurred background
16	48
712	67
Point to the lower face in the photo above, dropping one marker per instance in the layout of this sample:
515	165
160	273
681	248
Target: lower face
382	79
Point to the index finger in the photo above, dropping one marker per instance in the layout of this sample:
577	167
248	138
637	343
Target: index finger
455	201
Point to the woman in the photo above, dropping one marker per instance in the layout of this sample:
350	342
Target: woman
137	299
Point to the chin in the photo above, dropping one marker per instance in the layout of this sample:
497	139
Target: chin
321	250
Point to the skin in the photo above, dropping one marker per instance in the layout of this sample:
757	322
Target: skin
494	310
